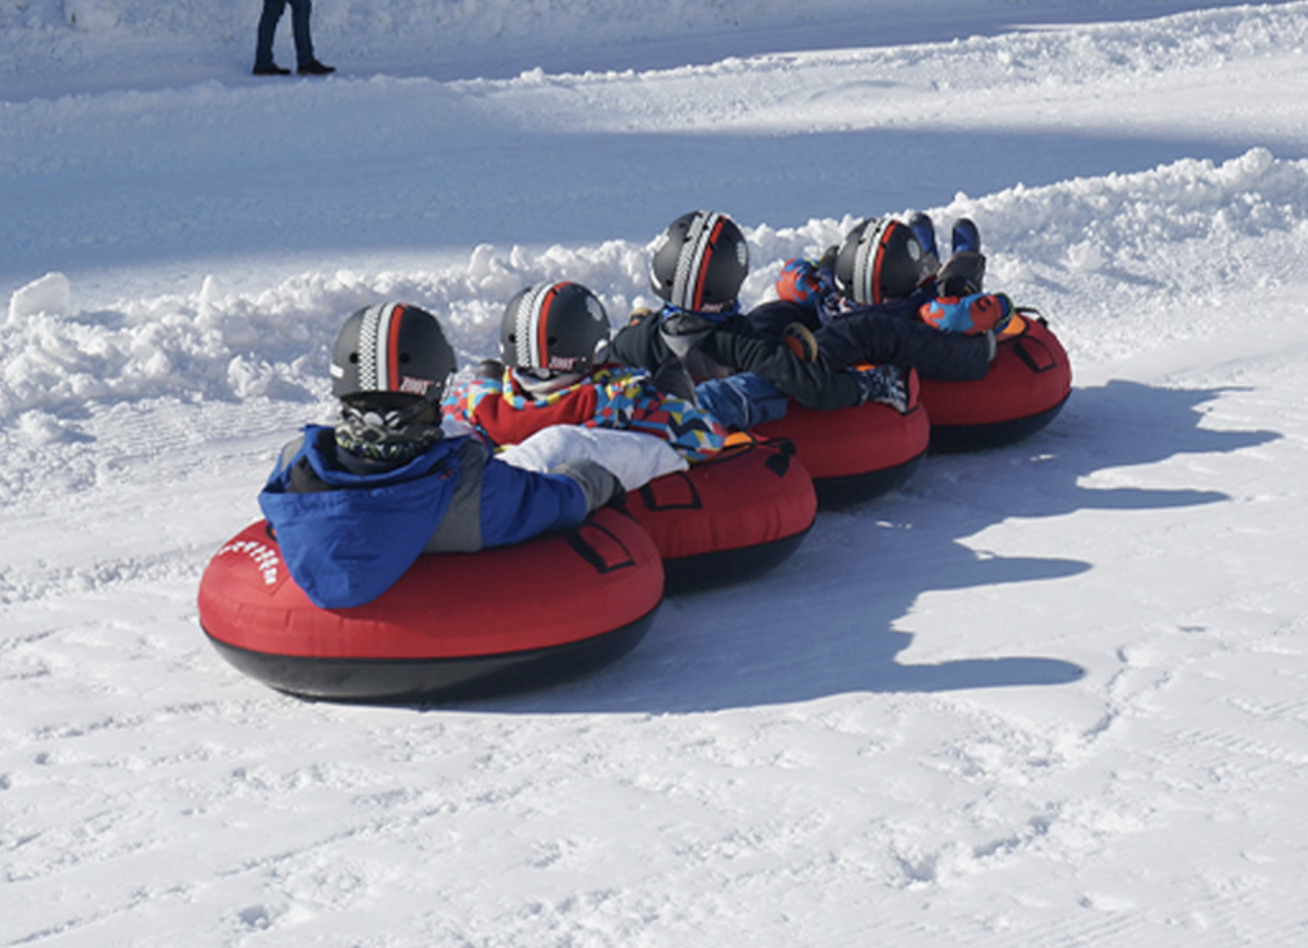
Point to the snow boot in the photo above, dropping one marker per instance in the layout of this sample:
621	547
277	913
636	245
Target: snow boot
965	237
924	229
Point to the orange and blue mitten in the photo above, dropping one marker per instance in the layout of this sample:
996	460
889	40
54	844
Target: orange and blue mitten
972	314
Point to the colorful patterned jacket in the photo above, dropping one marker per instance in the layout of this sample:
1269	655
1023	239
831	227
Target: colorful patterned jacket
611	396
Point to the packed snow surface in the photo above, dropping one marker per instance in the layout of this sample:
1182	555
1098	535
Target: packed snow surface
1054	694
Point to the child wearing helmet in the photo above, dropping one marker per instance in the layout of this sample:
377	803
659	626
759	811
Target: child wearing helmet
353	505
554	370
700	343
881	296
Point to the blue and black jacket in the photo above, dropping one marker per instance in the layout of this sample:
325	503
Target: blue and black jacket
348	536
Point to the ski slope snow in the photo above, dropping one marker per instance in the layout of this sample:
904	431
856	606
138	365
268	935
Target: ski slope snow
1049	695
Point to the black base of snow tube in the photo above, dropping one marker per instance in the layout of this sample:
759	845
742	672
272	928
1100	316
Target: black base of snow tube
835	493
417	681
954	439
689	574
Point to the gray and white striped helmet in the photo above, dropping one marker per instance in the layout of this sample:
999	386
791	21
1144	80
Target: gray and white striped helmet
700	261
392	347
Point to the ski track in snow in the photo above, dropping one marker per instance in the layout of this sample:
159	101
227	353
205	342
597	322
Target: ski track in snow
1053	694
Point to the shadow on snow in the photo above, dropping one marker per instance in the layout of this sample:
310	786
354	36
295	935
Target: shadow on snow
823	622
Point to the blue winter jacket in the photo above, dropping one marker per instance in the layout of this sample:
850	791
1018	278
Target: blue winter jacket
348	537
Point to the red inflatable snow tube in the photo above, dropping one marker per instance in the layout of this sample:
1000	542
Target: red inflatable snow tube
855	454
1027	385
455	625
730	518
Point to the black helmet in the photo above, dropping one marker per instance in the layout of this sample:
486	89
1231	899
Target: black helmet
559	327
700	261
392	348
880	259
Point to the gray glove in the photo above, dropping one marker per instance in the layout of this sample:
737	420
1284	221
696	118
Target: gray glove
597	482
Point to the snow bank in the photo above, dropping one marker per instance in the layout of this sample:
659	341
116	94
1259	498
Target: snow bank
80	41
1122	264
50	294
369	21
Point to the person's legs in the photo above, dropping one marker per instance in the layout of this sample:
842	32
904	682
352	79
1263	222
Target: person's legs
300	11
263	49
882	339
963	274
741	401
